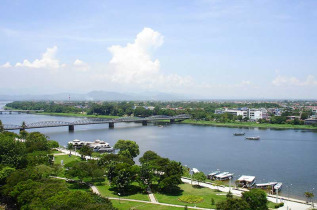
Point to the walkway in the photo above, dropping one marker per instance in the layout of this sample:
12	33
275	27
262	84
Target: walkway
66	152
289	203
95	190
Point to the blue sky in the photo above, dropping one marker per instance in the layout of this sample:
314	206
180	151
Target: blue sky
206	48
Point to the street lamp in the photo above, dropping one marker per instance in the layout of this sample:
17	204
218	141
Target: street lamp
288	190
312	199
119	196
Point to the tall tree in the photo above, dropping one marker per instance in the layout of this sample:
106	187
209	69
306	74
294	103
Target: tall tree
127	148
256	198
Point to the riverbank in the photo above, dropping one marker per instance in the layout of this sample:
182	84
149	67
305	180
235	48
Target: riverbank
249	125
78	115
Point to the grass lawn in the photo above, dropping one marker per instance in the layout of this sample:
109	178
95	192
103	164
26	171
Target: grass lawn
66	159
140	206
55	152
135	192
188	189
249	124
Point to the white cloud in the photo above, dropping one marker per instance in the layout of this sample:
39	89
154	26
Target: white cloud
48	60
293	81
6	65
80	65
132	64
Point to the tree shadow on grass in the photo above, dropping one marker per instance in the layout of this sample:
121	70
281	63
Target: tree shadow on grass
176	191
132	190
197	186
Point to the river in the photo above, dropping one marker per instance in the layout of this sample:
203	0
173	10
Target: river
288	156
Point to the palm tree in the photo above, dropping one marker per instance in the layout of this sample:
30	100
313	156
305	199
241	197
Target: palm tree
23	125
309	196
1	127
70	147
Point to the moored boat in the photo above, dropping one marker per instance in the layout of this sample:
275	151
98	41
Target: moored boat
253	138
239	134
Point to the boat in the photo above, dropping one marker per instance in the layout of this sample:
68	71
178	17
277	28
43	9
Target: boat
239	134
278	187
253	138
225	177
246	181
212	175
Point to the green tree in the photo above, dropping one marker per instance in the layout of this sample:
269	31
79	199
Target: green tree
53	144
85	151
309	196
199	177
36	141
256	198
233	203
12	152
127	148
1	127
70	147
4	173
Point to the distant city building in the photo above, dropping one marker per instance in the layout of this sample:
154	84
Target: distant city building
252	114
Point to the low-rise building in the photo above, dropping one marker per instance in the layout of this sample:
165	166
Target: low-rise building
252	114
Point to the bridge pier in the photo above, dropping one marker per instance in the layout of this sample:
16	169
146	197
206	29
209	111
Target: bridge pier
111	125
172	120
71	128
22	129
144	122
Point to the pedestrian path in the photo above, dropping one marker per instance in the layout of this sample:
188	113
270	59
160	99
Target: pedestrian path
289	204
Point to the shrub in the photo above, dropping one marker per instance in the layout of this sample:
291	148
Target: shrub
191	199
278	205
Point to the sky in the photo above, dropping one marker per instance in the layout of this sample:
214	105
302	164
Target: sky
210	49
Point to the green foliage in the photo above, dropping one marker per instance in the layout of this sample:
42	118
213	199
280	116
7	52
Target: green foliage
38	158
199	177
309	196
12	152
278	205
212	201
85	150
191	199
127	148
36	141
233	203
229	195
4	173
256	198
82	170
1	127
53	144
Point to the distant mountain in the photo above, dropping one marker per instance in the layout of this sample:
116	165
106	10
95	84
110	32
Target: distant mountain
96	96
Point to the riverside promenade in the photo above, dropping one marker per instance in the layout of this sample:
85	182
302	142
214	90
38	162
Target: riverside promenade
289	203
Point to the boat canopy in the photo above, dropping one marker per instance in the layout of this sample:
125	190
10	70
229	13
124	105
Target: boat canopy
246	178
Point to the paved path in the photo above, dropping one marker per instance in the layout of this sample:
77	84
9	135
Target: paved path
66	151
95	190
292	204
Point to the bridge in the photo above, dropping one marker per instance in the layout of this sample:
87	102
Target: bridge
20	111
88	121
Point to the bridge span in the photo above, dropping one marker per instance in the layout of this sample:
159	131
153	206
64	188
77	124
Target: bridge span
20	111
88	121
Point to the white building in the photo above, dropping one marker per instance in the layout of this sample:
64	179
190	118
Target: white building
252	114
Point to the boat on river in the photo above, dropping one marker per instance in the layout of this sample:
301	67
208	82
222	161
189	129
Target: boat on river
239	134
253	138
278	187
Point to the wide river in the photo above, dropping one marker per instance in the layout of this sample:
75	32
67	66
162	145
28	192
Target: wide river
288	156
